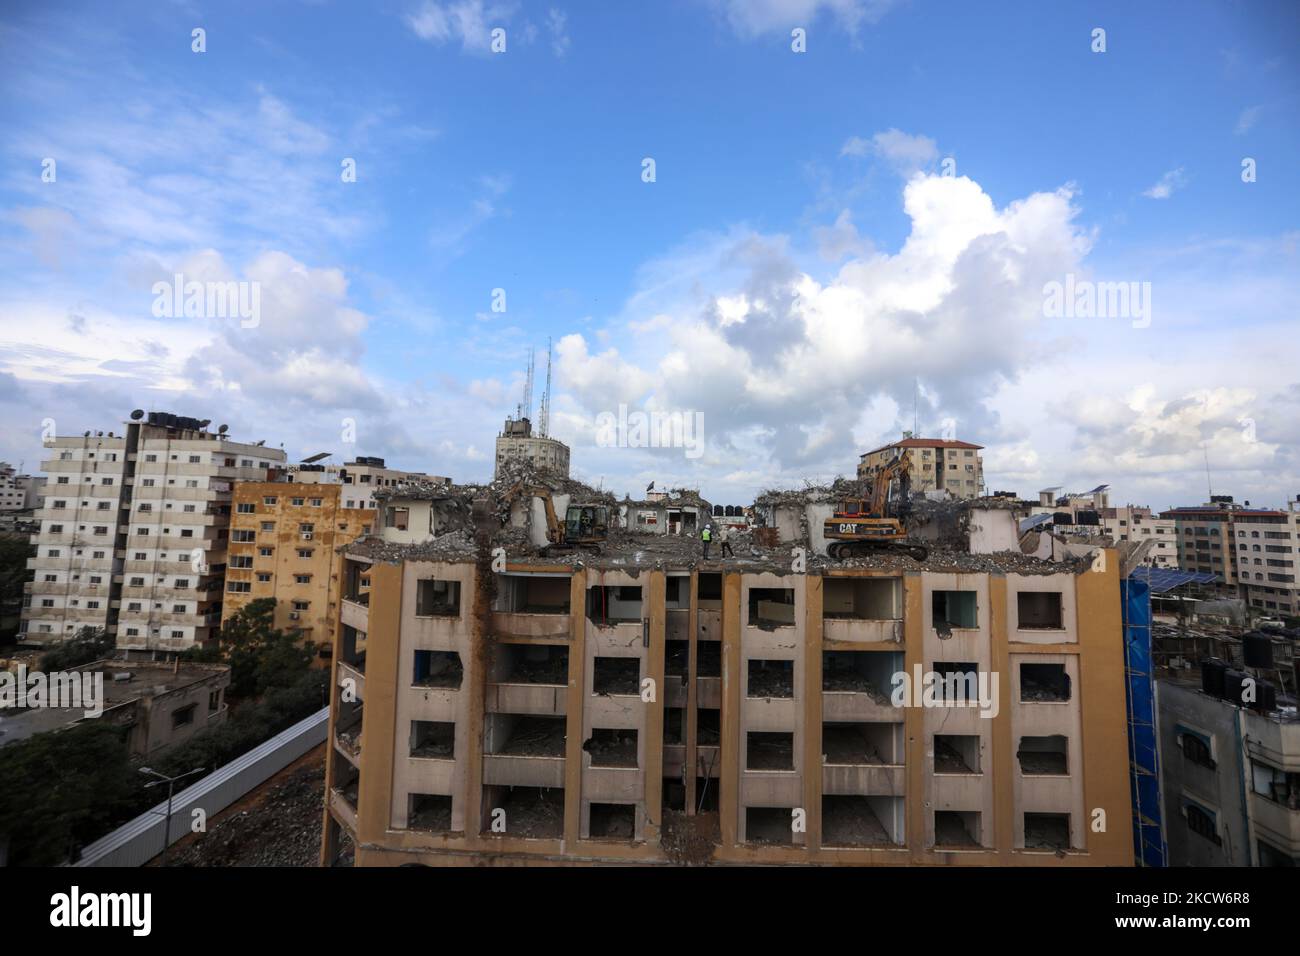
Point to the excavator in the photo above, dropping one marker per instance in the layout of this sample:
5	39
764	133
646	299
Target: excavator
871	526
585	526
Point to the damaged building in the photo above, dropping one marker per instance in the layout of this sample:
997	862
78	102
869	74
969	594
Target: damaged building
508	693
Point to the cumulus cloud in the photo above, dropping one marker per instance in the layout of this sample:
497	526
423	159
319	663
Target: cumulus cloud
1247	120
781	363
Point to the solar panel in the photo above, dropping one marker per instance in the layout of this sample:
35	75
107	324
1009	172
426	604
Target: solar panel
1166	579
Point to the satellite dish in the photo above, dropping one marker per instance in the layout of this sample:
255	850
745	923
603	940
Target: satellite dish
222	429
87	435
137	414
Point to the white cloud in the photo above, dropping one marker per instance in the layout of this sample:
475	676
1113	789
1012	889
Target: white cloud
469	22
750	18
1249	117
555	22
905	152
1169	183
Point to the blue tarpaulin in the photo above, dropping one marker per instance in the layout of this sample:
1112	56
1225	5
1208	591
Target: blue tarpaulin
1144	759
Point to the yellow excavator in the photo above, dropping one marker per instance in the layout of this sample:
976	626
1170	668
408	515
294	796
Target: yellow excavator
867	526
585	526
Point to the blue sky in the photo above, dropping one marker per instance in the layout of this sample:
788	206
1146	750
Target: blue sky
798	272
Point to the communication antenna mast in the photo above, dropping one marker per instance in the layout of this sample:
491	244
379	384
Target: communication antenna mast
525	408
544	413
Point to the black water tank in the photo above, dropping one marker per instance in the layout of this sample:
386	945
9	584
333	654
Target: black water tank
1212	671
1265	697
1257	649
1234	682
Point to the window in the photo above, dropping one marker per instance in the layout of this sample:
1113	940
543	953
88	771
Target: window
296	502
195	459
268	526
242	535
182	583
304	552
238	587
302	579
270	500
246	508
1202	822
316	502
263	577
266	552
183	716
178	608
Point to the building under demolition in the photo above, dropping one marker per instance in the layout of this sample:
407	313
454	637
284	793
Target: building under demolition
516	683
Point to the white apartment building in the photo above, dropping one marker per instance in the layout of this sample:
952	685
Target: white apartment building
361	478
134	533
18	492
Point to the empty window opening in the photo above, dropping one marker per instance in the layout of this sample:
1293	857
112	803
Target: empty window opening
523	594
674	795
677	591
708	659
614	605
429	811
1044	755
612	821
616	675
708	588
861	672
708	726
612	748
956	753
862	743
433	738
770	825
673	725
956	682
529	812
956	828
771	607
1044	682
523	735
438	669
1039	610
706	795
676	658
769	751
950	609
531	664
771	678
861	821
862	599
435	598
1047	831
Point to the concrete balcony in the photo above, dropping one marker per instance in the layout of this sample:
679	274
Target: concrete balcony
854	631
356	613
506	770
771	788
708	692
617	639
435	703
871	780
613	784
432	772
858	706
545	700
769	713
957	791
348	749
674	691
1277	823
708	623
522	626
674	760
616	711
344	811
677	625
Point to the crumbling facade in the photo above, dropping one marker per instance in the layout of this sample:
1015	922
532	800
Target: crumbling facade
517	447
937	465
497	702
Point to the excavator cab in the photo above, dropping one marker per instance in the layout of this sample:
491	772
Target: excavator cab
862	527
586	524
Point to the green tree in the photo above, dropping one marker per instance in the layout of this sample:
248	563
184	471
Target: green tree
260	655
87	645
62	790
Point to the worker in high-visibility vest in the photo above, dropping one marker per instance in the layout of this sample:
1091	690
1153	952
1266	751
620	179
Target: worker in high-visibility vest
706	535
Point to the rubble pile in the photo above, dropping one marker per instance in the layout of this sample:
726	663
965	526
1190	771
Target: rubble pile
278	824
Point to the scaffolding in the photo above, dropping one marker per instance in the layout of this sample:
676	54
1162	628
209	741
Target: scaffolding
1144	755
